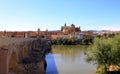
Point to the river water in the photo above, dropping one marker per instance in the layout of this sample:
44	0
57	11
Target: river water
68	59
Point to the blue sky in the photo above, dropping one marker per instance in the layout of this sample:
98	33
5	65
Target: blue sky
52	14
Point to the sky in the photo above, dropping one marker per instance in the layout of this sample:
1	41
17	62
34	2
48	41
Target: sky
26	15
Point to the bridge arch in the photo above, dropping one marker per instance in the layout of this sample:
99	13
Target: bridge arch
13	51
13	63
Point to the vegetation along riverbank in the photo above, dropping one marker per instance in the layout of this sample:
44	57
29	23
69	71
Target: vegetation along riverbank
105	53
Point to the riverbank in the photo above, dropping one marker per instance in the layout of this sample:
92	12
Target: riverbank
72	41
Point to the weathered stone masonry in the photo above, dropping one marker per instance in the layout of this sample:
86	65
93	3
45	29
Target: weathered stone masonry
13	49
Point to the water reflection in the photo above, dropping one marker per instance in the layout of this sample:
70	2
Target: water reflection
70	60
51	65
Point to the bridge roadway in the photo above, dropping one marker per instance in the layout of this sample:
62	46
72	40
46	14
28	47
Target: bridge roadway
11	50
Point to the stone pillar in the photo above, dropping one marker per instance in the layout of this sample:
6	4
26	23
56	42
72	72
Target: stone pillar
3	61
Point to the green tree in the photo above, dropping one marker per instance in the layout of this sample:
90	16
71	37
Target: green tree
105	52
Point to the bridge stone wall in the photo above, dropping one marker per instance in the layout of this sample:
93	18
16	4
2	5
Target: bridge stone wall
15	47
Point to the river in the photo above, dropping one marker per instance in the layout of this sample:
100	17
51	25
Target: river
68	59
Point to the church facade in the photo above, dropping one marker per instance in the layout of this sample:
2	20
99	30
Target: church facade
71	30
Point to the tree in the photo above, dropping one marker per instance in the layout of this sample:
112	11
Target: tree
105	52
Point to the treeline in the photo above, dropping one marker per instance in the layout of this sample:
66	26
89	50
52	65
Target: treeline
85	40
72	41
107	35
64	41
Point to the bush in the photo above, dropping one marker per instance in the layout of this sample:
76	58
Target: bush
64	41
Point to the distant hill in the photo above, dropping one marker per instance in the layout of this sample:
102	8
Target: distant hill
54	31
95	30
83	30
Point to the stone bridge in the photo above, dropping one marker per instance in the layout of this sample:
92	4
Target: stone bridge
13	49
